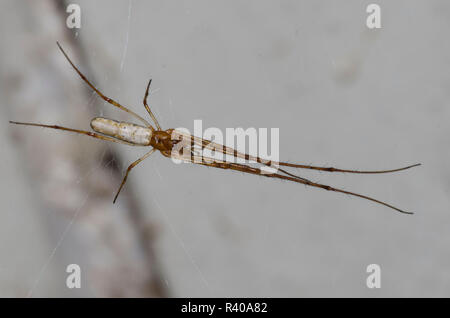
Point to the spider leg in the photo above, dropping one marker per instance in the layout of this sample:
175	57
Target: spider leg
131	166
233	152
252	170
105	98
148	108
78	131
331	169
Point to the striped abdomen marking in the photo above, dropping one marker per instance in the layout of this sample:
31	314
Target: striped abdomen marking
129	132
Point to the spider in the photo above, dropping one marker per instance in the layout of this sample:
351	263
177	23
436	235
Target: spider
167	142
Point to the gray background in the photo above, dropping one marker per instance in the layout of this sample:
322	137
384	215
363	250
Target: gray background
341	94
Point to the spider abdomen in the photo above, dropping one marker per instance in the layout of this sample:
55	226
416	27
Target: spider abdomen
125	131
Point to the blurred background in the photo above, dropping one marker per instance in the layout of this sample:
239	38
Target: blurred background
340	93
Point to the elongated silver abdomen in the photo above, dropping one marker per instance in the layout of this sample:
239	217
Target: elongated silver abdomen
129	132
